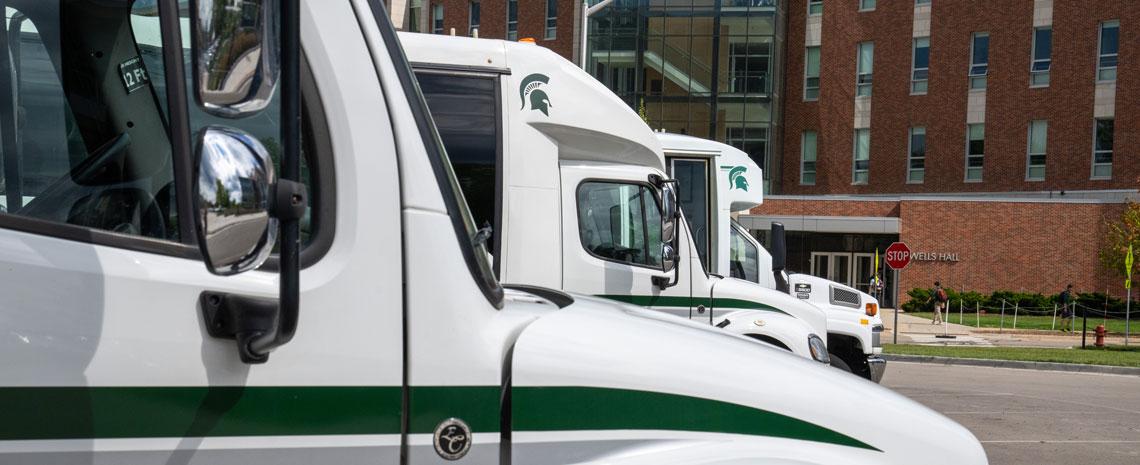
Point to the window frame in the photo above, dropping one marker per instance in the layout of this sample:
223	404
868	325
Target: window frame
863	6
512	25
1098	151
1029	154
474	16
910	158
630	182
914	69
803	157
815	3
436	7
977	81
808	77
1100	55
921	2
551	32
1034	73
861	84
970	155
855	171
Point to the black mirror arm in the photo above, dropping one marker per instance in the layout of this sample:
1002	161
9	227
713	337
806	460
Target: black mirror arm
663	282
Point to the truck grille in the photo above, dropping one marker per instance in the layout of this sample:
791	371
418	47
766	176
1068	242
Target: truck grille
844	297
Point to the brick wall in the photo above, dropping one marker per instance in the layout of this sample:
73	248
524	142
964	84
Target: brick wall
1067	103
493	21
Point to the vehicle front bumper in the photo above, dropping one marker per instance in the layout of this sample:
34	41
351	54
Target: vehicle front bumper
878	366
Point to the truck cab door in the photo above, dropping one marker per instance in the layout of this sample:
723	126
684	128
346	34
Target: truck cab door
612	239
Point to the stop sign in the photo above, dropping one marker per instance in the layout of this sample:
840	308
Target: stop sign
898	255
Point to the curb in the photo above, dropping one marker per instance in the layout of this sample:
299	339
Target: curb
1044	366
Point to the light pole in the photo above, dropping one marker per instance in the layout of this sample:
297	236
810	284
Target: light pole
588	11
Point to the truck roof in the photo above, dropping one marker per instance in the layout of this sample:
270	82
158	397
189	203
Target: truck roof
586	119
742	177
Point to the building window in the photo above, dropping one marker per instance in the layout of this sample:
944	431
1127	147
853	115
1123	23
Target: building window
748	62
512	19
551	19
920	71
866	5
864	65
751	140
807	158
1102	149
862	159
979	60
815	7
811	74
414	8
473	19
921	2
1042	57
1038	132
916	156
437	19
975	151
1109	46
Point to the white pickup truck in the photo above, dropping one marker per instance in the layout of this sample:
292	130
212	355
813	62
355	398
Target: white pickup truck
718	180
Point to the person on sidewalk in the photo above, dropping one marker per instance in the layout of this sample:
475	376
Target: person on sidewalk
1066	299
940	298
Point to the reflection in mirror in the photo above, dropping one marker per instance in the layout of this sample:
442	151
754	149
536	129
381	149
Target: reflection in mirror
236	55
235	177
668	213
668	257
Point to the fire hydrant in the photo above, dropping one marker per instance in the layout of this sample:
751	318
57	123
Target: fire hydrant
1100	335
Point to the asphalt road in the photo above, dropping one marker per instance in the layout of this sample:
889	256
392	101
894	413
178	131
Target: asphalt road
1027	417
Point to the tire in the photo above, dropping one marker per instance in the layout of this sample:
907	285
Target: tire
838	362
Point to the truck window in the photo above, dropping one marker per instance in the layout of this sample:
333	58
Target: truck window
620	222
744	259
693	196
465	111
82	136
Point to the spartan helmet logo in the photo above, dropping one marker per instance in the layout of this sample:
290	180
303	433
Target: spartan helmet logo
736	179
531	88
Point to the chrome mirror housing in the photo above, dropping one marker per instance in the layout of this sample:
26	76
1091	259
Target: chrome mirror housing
235	230
668	213
668	257
237	50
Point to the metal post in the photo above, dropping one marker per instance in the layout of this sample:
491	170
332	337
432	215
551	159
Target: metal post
1053	327
1015	305
960	304
1128	316
1084	323
1001	324
977	315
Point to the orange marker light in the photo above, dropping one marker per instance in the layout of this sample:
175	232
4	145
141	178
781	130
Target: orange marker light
527	40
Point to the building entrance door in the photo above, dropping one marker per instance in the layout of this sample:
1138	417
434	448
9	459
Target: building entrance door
863	270
835	266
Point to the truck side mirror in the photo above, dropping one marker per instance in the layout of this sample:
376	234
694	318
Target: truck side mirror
236	232
779	257
668	257
236	55
669	213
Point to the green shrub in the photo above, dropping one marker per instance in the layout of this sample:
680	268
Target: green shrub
1030	302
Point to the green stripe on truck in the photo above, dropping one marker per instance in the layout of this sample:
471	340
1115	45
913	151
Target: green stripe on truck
685	302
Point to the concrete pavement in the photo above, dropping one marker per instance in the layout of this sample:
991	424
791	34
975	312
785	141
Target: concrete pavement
1027	417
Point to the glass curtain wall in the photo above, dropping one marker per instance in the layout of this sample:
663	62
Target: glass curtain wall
706	68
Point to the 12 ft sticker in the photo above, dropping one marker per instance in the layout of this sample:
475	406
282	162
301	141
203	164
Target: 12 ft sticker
133	74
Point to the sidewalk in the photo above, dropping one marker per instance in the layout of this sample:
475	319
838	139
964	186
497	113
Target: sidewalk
915	330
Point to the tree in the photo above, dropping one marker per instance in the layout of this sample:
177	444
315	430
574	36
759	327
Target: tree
641	111
1121	234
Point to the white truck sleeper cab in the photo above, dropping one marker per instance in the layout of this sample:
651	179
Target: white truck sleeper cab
733	183
106	349
563	173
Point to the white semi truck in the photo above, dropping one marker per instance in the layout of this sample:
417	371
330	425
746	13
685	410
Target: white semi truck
717	180
570	182
145	322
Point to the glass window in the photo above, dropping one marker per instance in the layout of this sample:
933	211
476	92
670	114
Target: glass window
975	151
551	19
920	71
751	140
811	74
979	60
693	196
1109	47
1042	57
862	159
921	2
465	110
916	157
744	257
473	19
1038	133
807	158
512	19
815	7
864	66
414	9
748	67
620	222
74	154
437	18
1102	149
866	5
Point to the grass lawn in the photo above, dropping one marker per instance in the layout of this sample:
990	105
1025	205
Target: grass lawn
1111	355
993	320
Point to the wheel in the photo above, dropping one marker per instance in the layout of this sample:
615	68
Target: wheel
838	362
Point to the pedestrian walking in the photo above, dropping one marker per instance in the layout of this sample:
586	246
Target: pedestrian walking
1066	299
940	298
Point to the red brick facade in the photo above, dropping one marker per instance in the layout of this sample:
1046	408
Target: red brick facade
493	21
1018	246
1067	104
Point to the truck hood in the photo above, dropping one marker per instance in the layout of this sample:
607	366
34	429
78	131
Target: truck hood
738	294
819	294
619	384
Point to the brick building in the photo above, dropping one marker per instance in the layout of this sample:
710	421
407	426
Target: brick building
554	24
